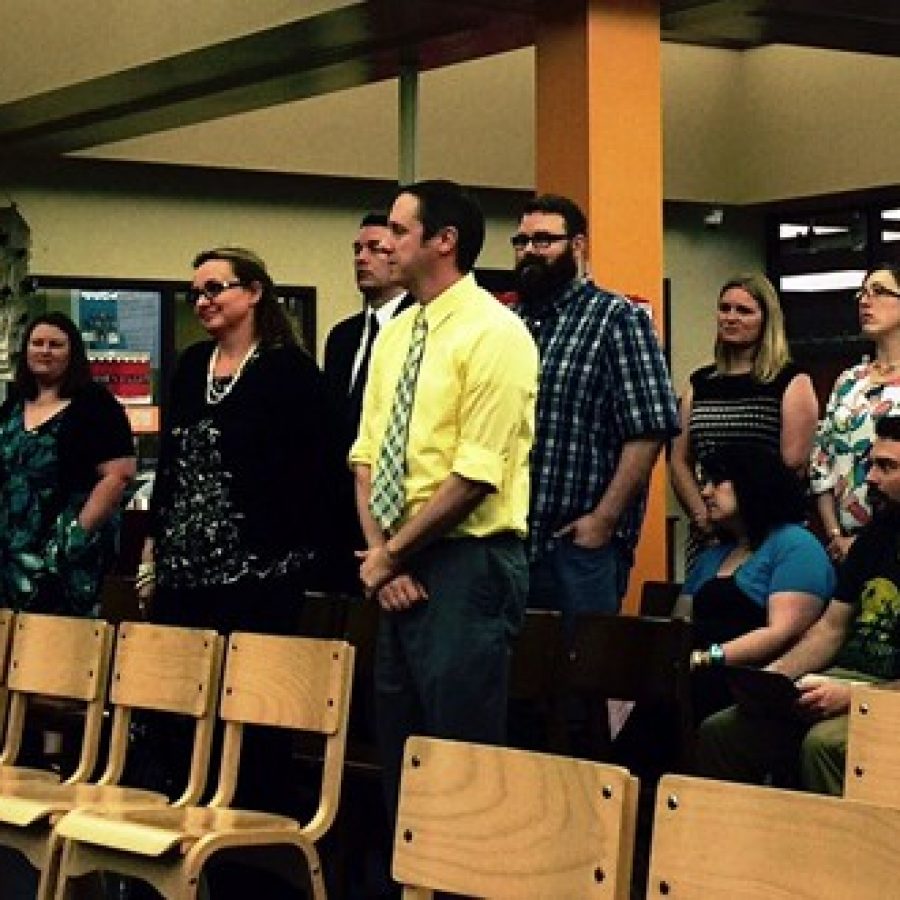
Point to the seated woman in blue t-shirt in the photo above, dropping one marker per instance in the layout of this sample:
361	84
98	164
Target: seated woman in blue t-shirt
752	595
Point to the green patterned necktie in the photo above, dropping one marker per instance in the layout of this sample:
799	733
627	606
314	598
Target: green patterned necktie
388	492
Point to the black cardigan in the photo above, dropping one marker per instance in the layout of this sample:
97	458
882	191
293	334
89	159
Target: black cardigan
275	440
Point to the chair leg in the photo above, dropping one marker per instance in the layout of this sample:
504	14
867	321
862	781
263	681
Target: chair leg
50	870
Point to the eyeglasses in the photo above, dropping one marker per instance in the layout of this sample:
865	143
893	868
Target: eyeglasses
376	248
540	240
876	291
210	289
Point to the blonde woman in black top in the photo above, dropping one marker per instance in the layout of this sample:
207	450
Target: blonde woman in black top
752	393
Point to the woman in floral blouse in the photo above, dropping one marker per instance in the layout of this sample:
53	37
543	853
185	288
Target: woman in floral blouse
861	394
66	458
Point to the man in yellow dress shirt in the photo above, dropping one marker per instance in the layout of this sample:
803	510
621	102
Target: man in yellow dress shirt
450	573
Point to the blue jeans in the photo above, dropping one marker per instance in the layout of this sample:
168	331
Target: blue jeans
575	579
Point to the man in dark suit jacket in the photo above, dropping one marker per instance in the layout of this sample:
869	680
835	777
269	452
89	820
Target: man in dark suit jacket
348	349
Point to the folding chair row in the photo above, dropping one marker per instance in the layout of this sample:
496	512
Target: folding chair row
287	682
498	823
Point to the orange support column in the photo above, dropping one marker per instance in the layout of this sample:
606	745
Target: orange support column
599	140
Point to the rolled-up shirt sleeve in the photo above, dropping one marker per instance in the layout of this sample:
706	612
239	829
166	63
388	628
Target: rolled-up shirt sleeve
501	382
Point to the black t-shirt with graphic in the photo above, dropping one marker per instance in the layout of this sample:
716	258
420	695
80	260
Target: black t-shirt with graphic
870	581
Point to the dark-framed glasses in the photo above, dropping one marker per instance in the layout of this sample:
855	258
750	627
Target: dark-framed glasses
876	291
540	240
210	289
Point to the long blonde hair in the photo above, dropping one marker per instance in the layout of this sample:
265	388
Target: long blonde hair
772	353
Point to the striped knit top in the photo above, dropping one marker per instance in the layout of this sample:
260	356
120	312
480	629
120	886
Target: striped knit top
736	409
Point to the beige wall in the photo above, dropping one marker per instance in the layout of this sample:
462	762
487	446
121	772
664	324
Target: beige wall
701	91
777	122
817	121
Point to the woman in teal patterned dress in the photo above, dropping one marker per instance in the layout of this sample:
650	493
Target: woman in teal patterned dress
66	458
861	395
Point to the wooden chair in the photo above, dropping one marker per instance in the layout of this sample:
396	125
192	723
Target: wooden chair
719	839
500	823
288	682
873	753
55	659
638	658
166	669
658	597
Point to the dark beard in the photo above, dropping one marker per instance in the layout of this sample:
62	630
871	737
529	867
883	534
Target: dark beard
884	510
540	281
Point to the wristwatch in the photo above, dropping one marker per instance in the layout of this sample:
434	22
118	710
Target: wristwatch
716	655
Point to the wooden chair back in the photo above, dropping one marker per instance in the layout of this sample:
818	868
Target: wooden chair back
873	752
287	682
658	597
60	658
719	839
638	658
501	823
169	670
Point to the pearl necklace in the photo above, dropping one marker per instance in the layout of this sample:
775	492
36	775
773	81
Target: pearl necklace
216	394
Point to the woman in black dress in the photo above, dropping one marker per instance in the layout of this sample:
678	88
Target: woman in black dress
751	394
238	517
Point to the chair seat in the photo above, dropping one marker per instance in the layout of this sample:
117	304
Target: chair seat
27	803
153	832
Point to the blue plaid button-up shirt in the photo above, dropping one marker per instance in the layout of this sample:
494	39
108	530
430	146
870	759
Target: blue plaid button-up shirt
604	381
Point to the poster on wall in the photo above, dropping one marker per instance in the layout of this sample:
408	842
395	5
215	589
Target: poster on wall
121	334
119	320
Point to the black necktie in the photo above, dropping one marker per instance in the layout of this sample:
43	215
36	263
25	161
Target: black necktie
359	382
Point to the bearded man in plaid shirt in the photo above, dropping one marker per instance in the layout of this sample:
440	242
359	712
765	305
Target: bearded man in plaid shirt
605	407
